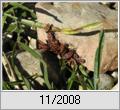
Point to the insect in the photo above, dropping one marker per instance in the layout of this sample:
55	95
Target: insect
55	46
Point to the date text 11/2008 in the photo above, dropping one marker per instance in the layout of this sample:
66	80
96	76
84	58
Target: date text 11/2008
60	99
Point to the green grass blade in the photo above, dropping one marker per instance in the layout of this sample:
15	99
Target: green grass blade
22	77
86	76
56	29
90	26
19	5
98	60
13	83
26	22
38	56
3	21
71	80
6	86
12	27
31	51
81	68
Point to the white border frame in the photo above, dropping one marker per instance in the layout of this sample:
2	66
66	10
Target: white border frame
2	1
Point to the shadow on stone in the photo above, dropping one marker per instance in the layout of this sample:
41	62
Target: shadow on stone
35	84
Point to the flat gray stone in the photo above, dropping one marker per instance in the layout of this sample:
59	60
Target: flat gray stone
106	82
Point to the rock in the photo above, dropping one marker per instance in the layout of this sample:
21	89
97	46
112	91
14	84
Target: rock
106	82
115	76
116	6
111	5
115	87
28	65
32	43
74	15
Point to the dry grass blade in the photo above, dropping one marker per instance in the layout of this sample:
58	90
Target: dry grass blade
8	68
